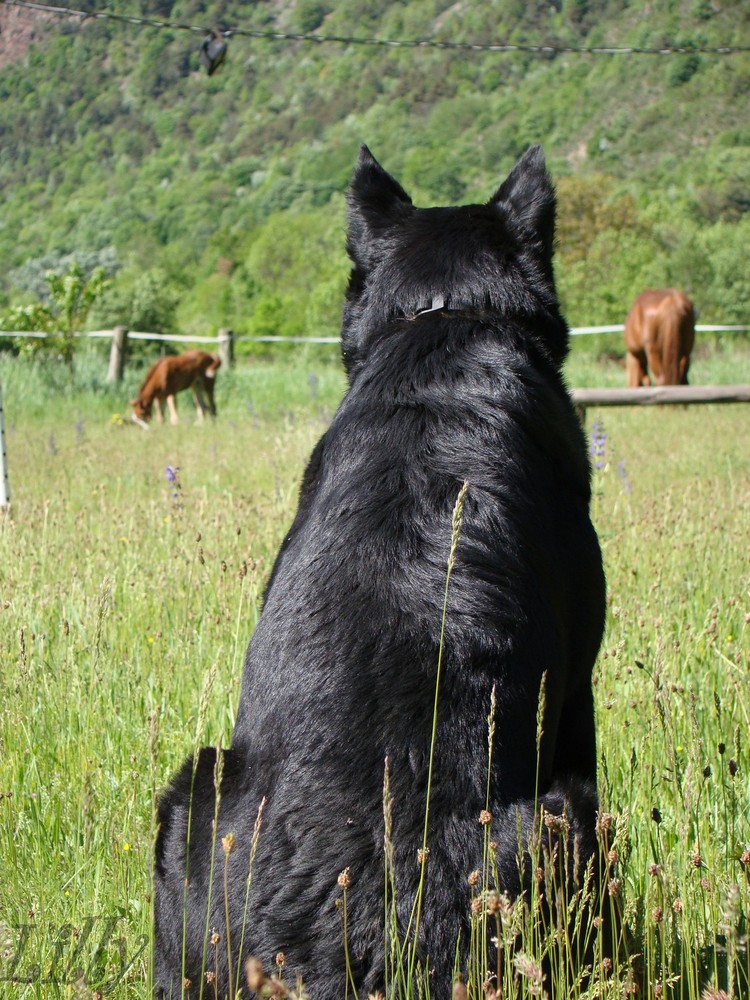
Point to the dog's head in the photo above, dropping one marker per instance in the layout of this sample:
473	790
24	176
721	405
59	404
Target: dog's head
495	257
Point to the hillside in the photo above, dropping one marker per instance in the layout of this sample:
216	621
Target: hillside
219	201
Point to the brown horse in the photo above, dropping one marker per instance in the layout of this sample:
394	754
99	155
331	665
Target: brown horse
194	370
659	334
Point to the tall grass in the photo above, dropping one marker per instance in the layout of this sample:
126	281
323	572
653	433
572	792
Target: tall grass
121	590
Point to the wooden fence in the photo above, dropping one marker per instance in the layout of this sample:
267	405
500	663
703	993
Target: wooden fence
658	395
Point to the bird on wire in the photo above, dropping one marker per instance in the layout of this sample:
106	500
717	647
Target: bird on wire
213	51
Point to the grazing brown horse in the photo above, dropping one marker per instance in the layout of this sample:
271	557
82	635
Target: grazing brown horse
168	376
659	334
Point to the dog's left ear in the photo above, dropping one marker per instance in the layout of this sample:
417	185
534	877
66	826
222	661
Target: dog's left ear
376	202
528	196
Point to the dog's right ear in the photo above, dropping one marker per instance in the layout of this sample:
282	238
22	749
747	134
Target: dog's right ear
376	202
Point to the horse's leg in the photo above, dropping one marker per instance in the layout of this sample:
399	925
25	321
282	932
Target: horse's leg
171	402
208	385
656	362
160	410
635	366
199	401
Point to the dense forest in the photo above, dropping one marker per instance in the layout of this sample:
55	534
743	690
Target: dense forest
220	201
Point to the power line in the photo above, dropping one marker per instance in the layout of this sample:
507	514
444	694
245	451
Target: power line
415	43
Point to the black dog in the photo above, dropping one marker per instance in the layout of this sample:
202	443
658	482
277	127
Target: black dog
453	343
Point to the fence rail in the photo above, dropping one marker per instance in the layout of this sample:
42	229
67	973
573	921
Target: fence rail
179	338
225	340
659	395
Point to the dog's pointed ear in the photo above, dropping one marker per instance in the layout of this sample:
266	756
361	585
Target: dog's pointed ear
376	202
527	194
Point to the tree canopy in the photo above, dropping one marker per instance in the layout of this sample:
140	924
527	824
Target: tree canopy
219	201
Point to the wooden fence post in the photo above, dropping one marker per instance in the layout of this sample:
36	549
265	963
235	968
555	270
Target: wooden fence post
4	482
226	346
117	354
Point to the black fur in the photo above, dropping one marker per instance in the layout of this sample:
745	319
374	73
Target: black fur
340	672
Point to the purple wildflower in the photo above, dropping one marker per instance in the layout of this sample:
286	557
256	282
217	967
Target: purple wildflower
598	448
623	474
173	478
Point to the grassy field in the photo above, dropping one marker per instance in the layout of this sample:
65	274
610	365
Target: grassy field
124	594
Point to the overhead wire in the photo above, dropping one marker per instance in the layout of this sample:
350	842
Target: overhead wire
414	43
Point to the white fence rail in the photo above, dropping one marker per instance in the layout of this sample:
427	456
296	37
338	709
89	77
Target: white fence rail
178	338
226	339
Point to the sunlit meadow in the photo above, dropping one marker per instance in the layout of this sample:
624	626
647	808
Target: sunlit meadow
131	571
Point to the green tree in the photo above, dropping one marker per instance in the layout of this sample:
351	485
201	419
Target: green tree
71	297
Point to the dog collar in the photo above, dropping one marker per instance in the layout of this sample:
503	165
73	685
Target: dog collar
438	301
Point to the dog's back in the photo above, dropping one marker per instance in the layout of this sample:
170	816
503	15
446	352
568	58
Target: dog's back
453	345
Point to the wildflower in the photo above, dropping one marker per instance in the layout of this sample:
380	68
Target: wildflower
210	976
696	859
493	902
603	823
280	959
612	857
344	879
531	971
459	989
745	857
732	765
657	914
622	473
656	815
654	870
254	974
705	884
422	855
126	846
598	446
228	843
173	478
215	938
474	877
558	824
485	817
614	886
713	993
